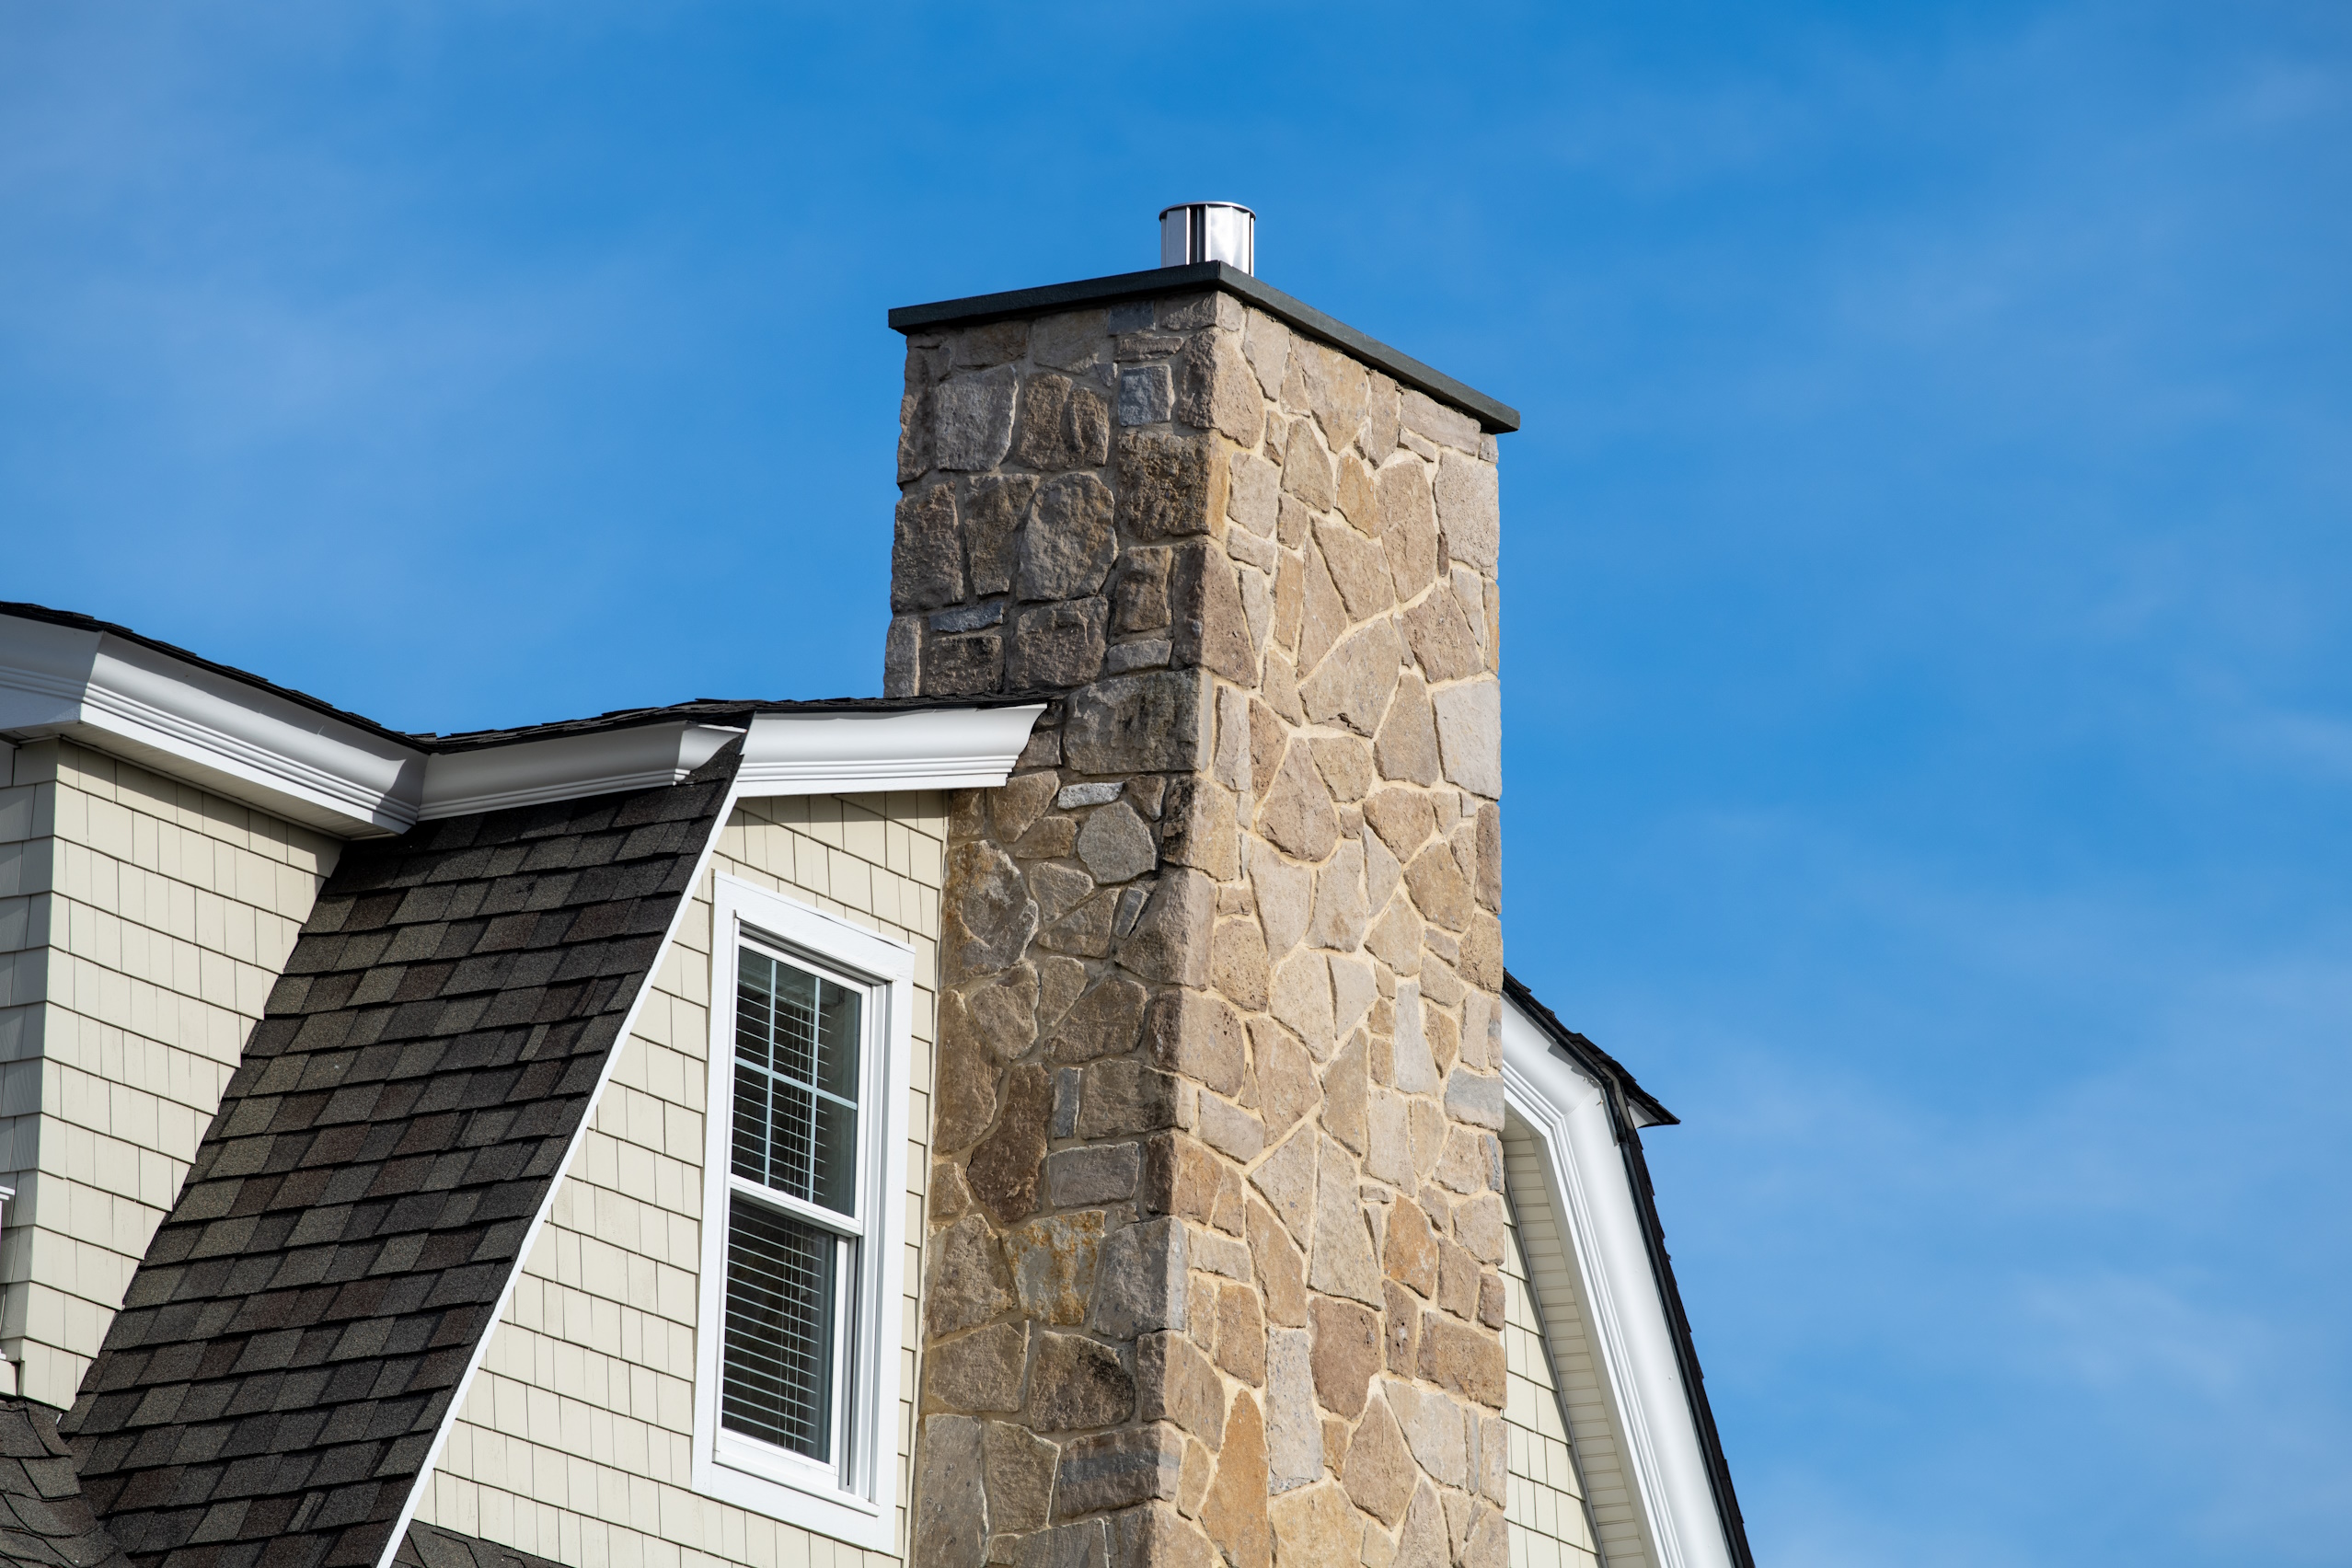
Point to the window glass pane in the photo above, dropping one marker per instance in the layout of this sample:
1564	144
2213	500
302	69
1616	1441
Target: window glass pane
778	1342
797	1039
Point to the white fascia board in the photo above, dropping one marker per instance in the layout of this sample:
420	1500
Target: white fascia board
565	768
863	753
194	724
1592	1194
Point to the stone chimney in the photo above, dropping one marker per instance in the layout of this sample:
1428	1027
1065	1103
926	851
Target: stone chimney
1212	1263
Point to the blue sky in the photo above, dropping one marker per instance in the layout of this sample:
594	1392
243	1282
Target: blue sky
1926	561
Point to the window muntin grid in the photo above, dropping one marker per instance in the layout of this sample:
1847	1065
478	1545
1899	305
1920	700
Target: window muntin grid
797	1051
792	1278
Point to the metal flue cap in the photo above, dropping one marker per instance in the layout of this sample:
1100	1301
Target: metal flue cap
1209	231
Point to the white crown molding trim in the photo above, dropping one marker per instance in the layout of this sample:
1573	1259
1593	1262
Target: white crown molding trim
205	728
297	762
564	767
1592	1194
864	752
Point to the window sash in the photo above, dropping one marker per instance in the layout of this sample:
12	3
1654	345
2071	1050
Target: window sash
832	1435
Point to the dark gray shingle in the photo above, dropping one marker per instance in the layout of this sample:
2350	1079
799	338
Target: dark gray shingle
267	1396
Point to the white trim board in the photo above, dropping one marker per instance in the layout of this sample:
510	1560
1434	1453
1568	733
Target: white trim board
728	1470
1591	1198
267	749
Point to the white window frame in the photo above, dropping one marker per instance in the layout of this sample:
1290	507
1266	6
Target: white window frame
730	1466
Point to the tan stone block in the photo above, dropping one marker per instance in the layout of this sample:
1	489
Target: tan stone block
1283	893
1421	1542
1428	1133
1359	568
1253	493
1170	940
1278	1267
1355	682
1129	1097
1192	1483
1494	1460
1290	604
1439	890
1347	1354
1355	500
1406	745
1403	818
1234	1513
1078	1383
1488	1544
1302	1001
985	1370
1229	1129
1341	1261
1006	1166
1307	471
1324	619
1440	423
1356	991
1155	722
1469	733
1230	1211
1170	486
1490	1299
1071	341
1018	1466
1445	1034
950	1199
1412	1253
951	1506
1341	916
1021	802
1287	1179
968	1282
1199	828
1480	1224
1265	342
1408	524
1104	1021
1118	1469
1063	424
1296	814
1241	1333
1175	1382
1157	1536
1443	638
1180	1178
1060	981
989	917
1463	1359
1379	435
1052	1264
1295	1448
1139	590
1483	952
1489	856
1379	1473
1400	1329
1338	389
1237	965
1211	623
1469	514
1220	391
1287	1090
927	552
1345	1092
1051	838
1199	1034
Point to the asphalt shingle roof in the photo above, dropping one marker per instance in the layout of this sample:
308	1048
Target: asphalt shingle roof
426	1546
268	1393
44	1518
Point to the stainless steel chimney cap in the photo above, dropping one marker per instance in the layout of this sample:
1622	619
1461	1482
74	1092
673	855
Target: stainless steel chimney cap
1209	231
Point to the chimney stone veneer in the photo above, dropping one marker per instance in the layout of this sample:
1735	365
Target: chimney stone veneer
1212	1265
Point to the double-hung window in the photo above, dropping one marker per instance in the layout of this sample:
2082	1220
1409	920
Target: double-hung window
796	1396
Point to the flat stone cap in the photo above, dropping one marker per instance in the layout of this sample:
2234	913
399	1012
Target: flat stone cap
1161	281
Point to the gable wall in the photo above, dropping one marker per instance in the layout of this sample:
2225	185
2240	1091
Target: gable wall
575	1441
143	922
1550	1290
1549	1528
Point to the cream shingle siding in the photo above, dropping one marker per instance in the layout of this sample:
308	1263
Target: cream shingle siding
576	1439
143	923
1564	1391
